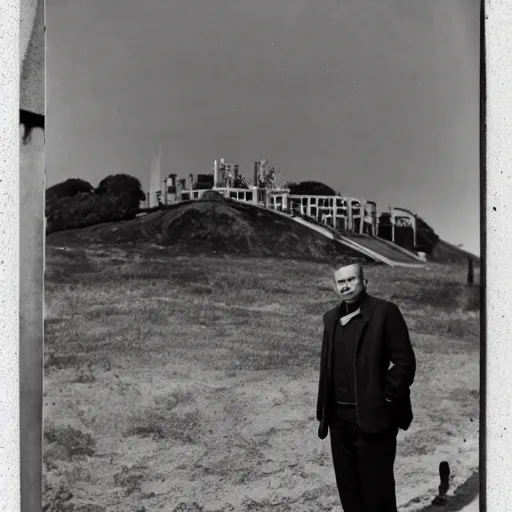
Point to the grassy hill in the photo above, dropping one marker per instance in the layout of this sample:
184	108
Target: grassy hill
213	227
445	252
176	379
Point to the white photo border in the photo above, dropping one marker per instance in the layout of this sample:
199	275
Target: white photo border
9	255
497	220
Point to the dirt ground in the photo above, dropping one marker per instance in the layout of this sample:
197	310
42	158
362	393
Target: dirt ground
182	384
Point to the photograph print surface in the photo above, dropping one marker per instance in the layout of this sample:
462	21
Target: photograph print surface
220	176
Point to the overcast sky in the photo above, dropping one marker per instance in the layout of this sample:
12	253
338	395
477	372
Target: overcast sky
378	99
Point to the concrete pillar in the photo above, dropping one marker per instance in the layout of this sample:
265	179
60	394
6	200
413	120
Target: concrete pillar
392	219
215	173
164	184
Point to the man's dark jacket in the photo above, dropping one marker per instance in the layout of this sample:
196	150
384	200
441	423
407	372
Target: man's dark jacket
382	339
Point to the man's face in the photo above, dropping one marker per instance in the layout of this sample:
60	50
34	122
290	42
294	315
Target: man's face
349	282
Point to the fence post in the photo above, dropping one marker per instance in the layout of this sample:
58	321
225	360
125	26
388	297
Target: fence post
471	276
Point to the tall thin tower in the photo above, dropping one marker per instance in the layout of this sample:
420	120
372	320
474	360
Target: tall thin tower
155	183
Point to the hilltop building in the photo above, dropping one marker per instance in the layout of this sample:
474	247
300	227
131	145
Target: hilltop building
346	214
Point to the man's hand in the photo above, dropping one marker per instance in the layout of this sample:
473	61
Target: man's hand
401	374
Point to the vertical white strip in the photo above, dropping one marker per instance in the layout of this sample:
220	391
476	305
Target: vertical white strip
156	178
498	210
9	254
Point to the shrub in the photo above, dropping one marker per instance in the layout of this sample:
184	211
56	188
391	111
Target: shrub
86	210
469	298
69	188
75	204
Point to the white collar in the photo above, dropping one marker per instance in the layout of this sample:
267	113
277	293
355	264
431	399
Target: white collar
344	320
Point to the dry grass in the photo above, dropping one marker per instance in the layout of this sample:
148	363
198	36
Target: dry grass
74	442
212	227
195	379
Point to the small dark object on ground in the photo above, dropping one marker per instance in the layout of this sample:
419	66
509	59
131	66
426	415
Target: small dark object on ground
444	476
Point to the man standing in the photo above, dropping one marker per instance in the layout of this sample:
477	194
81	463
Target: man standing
367	367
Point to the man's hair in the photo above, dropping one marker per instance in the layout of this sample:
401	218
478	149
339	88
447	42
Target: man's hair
345	262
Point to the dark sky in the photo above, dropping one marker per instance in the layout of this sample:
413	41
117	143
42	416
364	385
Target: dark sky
378	99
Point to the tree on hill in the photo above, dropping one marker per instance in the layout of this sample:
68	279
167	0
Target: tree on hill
126	189
121	184
75	203
310	188
426	237
69	188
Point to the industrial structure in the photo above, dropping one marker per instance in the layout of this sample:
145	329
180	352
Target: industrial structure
342	215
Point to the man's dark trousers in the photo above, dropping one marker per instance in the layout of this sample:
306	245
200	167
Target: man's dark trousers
363	463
